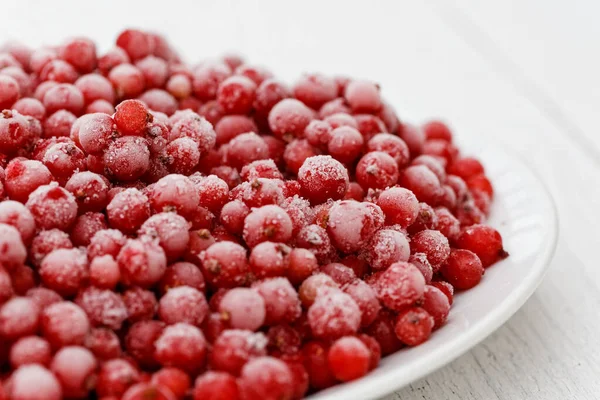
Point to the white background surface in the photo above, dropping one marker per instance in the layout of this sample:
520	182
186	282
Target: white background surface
523	72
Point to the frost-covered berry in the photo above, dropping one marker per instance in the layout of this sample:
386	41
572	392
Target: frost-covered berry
65	271
436	304
289	117
268	259
366	299
281	300
19	317
266	378
128	210
90	191
322	178
386	247
174	192
103	307
12	250
24	176
399	205
115	376
103	343
267	223
75	369
414	326
225	264
314	90
351	224
64	323
183	304
333	314
433	244
363	96
376	170
243	308
30	350
142	262
234	347
52	207
28	381
171	230
182	346
401	285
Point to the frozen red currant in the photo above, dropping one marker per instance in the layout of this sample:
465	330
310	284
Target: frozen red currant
345	144
386	247
402	284
225	264
182	346
433	243
351	224
289	117
103	307
282	303
333	314
414	326
183	304
24	176
266	378
243	308
75	369
267	223
348	358
30	350
28	381
463	269
142	262
215	385
64	323
484	241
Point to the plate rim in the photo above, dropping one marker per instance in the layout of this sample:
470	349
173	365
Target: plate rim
485	326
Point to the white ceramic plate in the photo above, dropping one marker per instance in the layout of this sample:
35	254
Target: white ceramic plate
524	213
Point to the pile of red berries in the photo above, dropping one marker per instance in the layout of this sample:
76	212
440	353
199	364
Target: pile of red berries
207	232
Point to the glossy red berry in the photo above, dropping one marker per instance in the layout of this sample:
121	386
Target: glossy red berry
215	385
463	269
348	358
484	241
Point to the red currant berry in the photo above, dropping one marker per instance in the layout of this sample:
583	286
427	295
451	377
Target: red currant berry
348	358
215	385
142	262
75	369
30	350
267	223
181	346
183	304
315	89
289	118
463	269
28	381
266	378
64	323
434	244
484	241
436	304
225	264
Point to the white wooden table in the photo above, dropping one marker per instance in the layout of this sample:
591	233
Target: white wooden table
523	72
